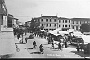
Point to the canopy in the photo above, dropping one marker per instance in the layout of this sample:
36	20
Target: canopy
77	33
70	30
86	39
42	30
54	32
58	29
63	32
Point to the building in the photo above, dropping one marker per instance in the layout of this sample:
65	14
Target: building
6	20
54	22
49	22
27	23
76	22
64	23
3	13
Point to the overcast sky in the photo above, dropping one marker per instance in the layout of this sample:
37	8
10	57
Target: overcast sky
24	10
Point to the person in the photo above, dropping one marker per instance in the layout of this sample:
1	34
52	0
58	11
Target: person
52	45
14	31
41	49
34	44
65	44
59	46
78	47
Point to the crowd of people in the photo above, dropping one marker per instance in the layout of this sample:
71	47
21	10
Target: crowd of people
63	40
51	38
18	32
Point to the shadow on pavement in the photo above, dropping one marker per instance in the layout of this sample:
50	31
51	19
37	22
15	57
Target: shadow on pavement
28	48
35	53
81	53
56	49
7	56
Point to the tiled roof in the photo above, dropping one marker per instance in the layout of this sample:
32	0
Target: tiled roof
62	18
48	17
80	19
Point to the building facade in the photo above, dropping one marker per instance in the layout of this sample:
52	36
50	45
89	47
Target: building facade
3	13
49	22
64	23
6	20
76	22
54	22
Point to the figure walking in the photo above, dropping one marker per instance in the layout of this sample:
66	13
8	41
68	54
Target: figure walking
34	44
41	49
59	46
52	45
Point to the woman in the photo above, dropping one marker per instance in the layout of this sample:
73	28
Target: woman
41	49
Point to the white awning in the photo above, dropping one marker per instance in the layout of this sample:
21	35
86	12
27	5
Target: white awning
86	39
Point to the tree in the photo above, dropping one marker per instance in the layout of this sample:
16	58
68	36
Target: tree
34	26
85	28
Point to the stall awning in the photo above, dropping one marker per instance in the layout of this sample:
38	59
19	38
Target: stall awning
86	39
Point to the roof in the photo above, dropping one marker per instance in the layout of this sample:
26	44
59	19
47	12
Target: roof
15	18
80	19
48	17
63	18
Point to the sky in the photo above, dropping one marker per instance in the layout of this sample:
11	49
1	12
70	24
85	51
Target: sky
24	10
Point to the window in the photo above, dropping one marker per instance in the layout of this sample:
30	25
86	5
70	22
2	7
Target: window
80	22
46	20
1	19
47	25
59	21
65	21
55	25
65	25
76	22
69	25
9	22
50	20
42	24
38	20
73	22
73	27
50	25
59	25
42	20
76	27
84	21
54	20
69	21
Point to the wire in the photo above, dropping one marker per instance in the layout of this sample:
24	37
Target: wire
22	16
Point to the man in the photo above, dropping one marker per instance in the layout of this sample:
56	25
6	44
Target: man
41	49
34	44
59	46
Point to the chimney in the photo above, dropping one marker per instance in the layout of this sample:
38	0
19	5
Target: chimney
41	15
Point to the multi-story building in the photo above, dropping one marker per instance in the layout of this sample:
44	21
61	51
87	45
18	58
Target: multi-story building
27	23
3	12
54	22
76	22
49	22
64	23
6	20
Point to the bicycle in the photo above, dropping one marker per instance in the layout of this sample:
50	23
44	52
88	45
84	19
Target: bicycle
17	49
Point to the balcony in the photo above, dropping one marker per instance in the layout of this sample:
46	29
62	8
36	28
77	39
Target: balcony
2	11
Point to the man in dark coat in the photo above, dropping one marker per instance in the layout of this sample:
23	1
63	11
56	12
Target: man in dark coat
59	45
34	44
